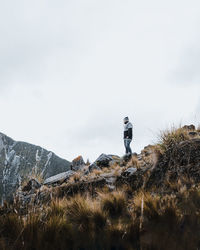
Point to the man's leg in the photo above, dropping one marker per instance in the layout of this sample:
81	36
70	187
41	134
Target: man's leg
128	146
125	144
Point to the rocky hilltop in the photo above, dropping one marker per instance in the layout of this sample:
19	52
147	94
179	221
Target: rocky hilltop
20	160
143	201
157	167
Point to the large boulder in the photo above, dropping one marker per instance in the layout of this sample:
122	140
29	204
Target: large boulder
78	163
189	127
106	160
103	160
59	178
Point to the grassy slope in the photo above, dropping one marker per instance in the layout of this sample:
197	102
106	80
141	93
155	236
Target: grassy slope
121	219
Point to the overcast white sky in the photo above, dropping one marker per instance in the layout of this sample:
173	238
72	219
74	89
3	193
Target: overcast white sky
70	71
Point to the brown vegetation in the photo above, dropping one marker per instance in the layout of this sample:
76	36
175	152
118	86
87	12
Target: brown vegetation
111	220
147	218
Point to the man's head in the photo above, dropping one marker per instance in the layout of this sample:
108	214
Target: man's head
126	120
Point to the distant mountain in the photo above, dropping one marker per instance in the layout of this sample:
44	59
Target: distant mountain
19	160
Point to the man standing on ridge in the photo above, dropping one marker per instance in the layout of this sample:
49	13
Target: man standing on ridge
128	134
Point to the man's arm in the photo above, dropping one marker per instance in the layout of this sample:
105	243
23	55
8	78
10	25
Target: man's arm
130	133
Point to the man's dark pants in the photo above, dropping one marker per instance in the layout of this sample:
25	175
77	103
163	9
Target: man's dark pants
127	143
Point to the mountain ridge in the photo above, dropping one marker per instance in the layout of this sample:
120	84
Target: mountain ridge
19	160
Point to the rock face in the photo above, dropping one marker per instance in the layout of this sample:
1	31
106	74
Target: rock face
19	160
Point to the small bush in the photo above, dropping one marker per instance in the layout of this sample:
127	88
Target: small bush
114	203
56	208
85	213
169	138
75	178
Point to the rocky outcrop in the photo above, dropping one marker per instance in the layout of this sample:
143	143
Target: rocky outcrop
189	127
43	195
151	170
78	163
19	160
104	161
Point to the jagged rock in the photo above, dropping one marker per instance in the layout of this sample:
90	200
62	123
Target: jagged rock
189	127
19	160
78	163
103	160
32	185
129	171
59	178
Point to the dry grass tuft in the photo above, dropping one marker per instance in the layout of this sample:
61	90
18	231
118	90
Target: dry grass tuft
56	208
133	163
117	170
76	177
113	203
169	138
85	213
97	172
